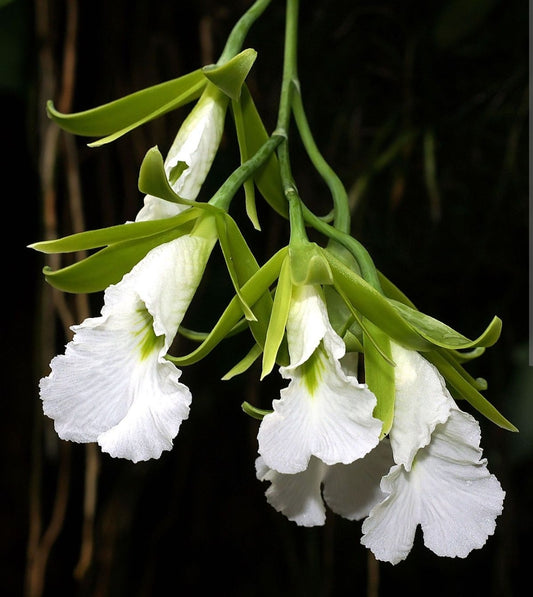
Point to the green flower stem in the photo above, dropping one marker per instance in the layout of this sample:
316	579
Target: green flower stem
334	183
240	30
222	198
289	80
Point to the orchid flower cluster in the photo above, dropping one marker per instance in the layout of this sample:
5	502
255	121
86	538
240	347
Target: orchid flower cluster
369	423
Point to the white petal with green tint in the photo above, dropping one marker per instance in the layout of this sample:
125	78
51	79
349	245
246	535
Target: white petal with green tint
323	412
422	402
307	324
113	384
195	145
448	491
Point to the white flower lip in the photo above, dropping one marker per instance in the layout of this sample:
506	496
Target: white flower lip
349	490
113	384
332	420
448	491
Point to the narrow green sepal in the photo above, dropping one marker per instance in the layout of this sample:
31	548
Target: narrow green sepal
245	363
249	186
225	231
114	119
308	265
92	239
267	178
254	412
444	336
466	390
107	266
230	76
374	306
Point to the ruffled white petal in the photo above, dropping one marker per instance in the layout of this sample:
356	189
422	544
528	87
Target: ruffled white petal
332	420
296	496
352	490
113	384
349	490
422	402
449	492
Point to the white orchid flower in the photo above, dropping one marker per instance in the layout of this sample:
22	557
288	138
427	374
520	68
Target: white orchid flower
350	490
440	480
195	145
323	412
113	385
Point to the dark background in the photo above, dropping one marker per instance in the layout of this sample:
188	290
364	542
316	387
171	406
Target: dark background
380	80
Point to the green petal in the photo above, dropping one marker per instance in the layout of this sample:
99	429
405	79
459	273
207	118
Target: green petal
116	118
230	76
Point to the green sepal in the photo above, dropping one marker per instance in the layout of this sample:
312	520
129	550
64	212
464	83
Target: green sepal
255	288
249	185
308	265
267	178
233	254
465	390
230	76
352	342
107	266
393	292
278	319
379	374
444	336
112	120
374	306
242	266
92	239
245	363
463	357
254	412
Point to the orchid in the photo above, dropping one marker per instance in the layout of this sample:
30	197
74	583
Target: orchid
367	424
113	385
440	480
323	412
